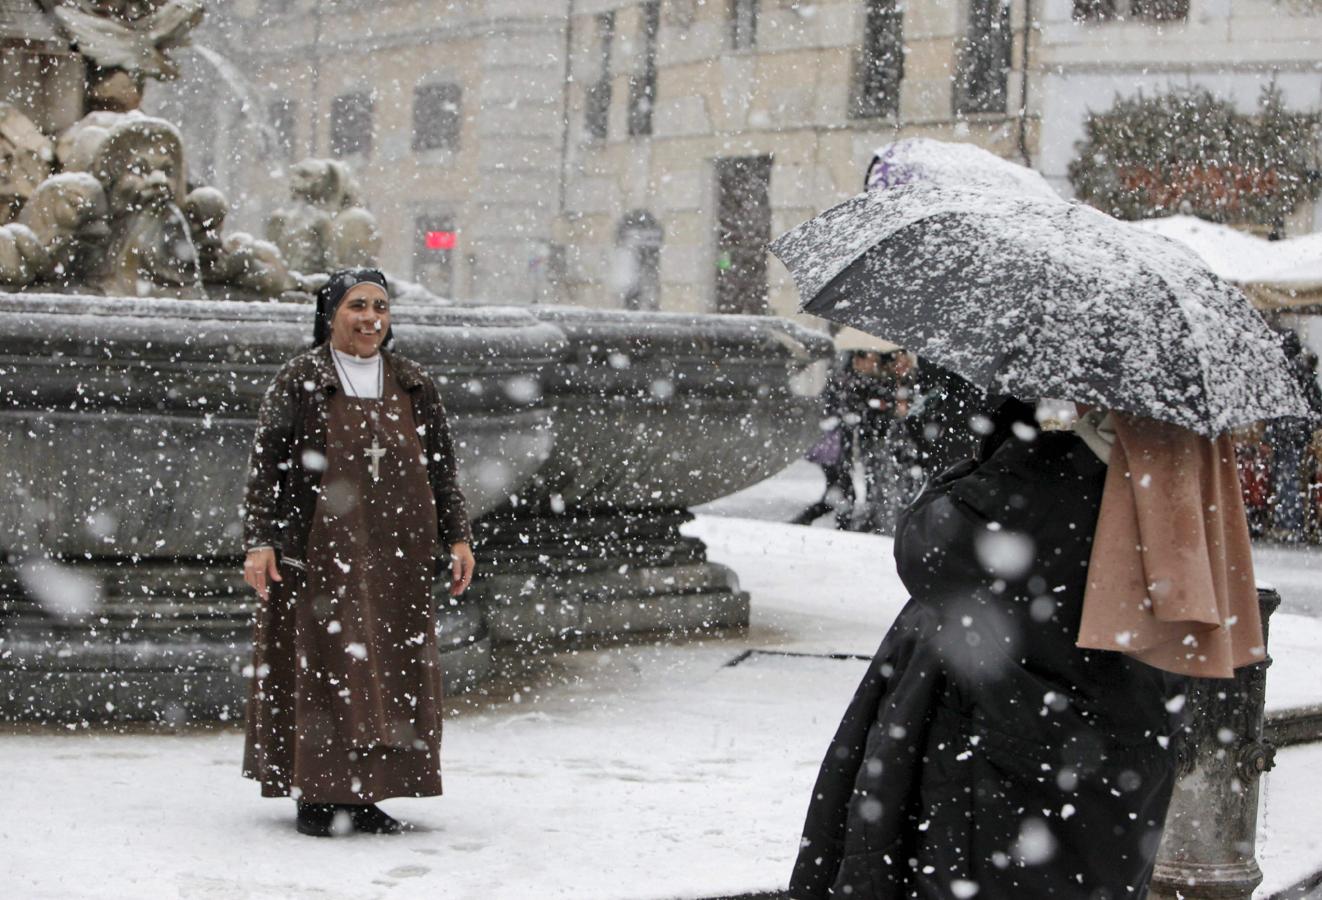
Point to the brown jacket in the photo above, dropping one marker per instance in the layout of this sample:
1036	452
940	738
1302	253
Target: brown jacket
288	453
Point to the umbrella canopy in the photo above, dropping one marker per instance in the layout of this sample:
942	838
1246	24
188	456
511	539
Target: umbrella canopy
927	161
1037	297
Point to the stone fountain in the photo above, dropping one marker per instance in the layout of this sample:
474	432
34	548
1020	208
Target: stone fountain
137	337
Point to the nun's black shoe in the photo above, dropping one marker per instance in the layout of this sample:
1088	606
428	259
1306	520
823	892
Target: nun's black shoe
316	819
371	819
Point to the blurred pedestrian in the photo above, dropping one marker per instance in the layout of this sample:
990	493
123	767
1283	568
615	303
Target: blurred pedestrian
834	450
1012	737
1254	458
352	504
886	451
1288	437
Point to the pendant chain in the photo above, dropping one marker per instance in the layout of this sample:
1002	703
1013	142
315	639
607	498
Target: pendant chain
378	448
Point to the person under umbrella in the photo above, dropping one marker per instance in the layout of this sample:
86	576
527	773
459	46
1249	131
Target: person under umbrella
352	498
1013	735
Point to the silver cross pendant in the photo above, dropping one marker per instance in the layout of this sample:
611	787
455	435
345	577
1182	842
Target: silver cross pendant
375	452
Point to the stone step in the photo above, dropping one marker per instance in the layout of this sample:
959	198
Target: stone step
1299	725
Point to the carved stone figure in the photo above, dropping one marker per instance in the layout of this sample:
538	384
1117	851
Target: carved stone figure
68	216
302	230
22	258
125	42
323	228
238	260
133	35
26	156
356	238
139	161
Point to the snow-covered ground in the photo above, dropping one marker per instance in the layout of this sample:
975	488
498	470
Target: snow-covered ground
652	771
1295	571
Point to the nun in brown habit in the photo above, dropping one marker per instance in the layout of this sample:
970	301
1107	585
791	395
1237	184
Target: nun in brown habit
352	499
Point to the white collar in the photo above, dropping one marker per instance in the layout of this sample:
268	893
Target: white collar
362	362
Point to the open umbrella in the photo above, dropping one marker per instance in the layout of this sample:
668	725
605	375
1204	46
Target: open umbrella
1034	296
959	165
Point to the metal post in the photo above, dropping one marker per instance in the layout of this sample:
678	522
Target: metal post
1208	849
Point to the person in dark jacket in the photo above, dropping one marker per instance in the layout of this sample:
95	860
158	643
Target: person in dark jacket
1289	438
940	418
352	504
834	452
984	753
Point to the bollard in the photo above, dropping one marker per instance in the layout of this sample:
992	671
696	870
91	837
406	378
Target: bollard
1208	849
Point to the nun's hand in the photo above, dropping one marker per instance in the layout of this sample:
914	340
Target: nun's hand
259	569
461	567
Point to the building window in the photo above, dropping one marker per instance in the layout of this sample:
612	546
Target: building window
743	24
879	67
743	230
282	114
636	273
436	116
433	253
351	125
983	61
1142	10
597	121
642	84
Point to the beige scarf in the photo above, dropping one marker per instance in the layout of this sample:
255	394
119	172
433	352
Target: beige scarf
1170	581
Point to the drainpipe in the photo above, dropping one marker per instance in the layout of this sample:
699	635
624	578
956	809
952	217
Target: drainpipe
316	78
1023	85
564	134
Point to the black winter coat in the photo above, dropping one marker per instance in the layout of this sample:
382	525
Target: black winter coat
984	754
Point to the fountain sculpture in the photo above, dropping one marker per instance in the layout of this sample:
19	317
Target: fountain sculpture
134	348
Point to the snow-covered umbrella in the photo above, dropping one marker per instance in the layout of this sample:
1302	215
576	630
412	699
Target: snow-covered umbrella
951	163
1027	294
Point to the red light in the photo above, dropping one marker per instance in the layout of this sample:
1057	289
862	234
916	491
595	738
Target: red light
441	240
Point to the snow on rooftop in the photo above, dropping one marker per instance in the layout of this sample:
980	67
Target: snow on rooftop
1243	258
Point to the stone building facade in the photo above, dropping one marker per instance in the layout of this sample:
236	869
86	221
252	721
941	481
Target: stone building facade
708	128
638	153
449	114
610	153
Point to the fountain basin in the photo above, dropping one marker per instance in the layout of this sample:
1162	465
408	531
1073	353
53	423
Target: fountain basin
582	436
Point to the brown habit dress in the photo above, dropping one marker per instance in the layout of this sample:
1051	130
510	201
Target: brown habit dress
346	702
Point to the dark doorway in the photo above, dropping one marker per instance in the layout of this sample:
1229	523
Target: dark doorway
743	230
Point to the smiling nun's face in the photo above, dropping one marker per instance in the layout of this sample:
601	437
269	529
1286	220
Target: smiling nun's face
361	320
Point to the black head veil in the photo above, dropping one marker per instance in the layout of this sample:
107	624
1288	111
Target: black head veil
333	291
